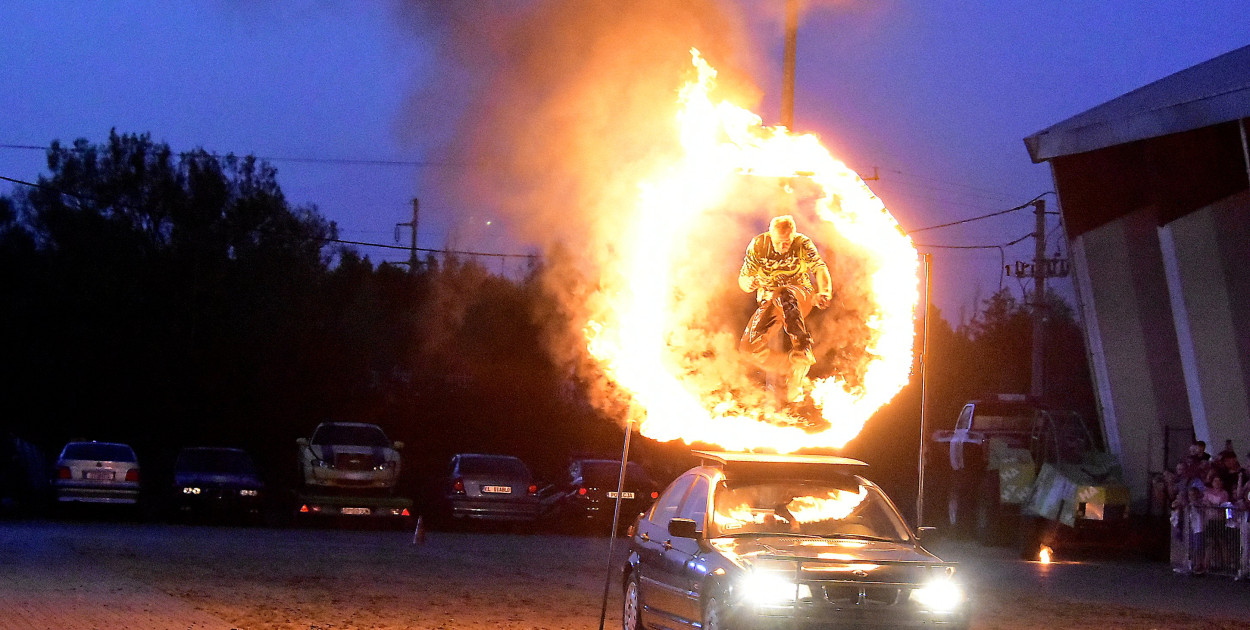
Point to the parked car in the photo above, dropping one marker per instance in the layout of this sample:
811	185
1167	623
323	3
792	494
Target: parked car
97	472
485	487
218	482
350	469
587	495
749	540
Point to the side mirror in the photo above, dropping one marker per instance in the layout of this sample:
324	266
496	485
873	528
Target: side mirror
397	445
684	528
302	441
930	534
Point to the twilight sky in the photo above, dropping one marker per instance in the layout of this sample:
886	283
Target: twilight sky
935	95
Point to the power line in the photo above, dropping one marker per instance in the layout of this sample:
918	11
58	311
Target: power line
307	160
984	216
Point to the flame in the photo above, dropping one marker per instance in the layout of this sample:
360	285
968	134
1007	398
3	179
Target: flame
650	342
834	505
1043	555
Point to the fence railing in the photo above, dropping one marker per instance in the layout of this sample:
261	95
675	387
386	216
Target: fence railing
1211	539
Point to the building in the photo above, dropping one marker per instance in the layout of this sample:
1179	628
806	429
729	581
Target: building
1154	192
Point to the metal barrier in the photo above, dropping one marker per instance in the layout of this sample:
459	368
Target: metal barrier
1211	539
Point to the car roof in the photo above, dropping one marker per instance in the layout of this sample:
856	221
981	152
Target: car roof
348	424
772	466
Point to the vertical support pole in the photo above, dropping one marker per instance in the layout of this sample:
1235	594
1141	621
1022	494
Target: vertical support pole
412	257
788	65
924	390
1040	269
616	515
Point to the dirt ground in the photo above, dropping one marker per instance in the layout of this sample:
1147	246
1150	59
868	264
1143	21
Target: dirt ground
320	579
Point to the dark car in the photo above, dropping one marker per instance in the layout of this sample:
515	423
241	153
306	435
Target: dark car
216	482
761	541
588	494
489	488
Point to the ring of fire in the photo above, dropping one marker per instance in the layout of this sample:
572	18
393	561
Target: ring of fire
648	335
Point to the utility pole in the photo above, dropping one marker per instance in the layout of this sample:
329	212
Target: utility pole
787	73
1038	384
1040	269
412	255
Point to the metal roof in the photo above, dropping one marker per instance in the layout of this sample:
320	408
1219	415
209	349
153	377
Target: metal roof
1209	93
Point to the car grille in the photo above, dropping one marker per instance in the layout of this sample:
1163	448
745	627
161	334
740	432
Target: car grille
861	595
353	461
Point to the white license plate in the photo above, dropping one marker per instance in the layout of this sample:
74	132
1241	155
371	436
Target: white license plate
98	474
497	489
357	511
624	495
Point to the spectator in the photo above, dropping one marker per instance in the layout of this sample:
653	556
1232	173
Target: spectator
1198	452
1215	494
1230	471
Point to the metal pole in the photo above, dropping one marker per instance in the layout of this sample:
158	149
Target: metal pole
412	257
787	72
924	390
616	515
1040	269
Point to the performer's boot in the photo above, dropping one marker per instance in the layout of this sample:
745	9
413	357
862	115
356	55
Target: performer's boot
800	362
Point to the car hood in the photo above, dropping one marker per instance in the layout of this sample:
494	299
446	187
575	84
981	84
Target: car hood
776	551
215	479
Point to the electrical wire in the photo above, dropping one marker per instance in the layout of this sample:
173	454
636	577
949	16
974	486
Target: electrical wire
984	216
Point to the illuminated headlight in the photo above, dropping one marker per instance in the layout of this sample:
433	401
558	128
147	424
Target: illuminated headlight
247	493
939	596
774	589
190	490
385	466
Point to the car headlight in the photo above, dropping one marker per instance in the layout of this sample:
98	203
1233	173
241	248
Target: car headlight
773	589
385	466
939	596
247	493
190	490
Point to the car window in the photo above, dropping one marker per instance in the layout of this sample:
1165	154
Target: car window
598	473
486	465
98	451
695	505
808	507
339	434
965	418
665	507
207	460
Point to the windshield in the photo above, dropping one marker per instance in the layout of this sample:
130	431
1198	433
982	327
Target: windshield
486	465
99	451
213	460
806	507
350	435
599	473
996	416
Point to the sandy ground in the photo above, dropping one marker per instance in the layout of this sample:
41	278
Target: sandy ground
210	577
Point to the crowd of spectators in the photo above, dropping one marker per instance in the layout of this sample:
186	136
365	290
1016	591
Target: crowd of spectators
1209	494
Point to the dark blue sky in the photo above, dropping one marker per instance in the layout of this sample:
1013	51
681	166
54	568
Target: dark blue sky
936	95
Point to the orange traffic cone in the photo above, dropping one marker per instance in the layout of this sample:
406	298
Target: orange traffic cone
418	534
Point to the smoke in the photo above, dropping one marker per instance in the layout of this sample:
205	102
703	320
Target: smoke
557	109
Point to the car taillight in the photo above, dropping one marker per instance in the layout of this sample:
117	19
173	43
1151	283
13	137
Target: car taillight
533	489
132	474
64	473
458	486
581	492
655	495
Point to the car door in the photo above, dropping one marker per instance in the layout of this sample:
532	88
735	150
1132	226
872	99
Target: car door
683	568
650	542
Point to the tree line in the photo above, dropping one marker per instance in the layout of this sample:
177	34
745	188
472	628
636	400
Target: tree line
172	299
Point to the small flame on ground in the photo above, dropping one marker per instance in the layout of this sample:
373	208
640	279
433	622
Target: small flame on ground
1043	555
656	348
